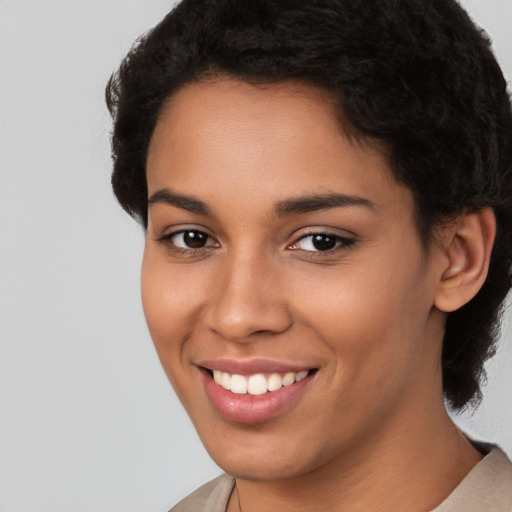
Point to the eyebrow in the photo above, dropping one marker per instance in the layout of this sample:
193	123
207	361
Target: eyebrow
313	203
293	205
184	202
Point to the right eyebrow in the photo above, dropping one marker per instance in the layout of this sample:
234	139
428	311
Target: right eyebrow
189	203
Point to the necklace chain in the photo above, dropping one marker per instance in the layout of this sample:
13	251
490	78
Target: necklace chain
238	498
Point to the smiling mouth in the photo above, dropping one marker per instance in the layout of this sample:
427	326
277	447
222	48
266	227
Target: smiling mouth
258	383
254	397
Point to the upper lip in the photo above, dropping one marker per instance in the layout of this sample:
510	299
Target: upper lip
252	366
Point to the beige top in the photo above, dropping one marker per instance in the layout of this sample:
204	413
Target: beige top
486	488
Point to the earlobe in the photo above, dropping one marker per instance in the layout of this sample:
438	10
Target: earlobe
467	248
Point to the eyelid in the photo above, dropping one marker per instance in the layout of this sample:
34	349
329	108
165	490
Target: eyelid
167	239
342	242
171	230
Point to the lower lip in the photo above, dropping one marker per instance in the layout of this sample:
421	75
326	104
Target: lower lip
252	408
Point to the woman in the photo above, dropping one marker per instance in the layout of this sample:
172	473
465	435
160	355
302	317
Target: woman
326	188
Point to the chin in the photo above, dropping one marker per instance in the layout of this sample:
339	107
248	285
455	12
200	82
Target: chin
261	469
260	459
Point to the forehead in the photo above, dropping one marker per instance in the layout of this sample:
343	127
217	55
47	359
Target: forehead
231	114
234	139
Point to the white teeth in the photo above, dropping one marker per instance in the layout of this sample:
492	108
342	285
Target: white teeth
226	381
217	377
288	379
301	375
256	384
238	384
274	382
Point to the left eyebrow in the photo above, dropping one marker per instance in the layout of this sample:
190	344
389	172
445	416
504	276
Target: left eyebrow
308	204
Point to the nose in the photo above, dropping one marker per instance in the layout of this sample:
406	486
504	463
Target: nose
248	300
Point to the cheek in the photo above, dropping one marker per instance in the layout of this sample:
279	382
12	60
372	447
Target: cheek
171	303
169	300
372	319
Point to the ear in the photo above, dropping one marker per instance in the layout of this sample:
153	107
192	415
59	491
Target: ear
467	246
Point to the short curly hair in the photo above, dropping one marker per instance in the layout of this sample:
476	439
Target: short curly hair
415	75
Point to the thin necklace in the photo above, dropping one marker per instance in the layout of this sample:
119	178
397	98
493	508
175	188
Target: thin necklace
238	498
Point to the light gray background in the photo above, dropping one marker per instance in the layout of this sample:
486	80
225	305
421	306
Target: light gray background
88	422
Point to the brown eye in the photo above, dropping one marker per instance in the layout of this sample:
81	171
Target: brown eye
323	242
191	239
320	242
194	239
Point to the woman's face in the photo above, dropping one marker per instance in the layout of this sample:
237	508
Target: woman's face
276	247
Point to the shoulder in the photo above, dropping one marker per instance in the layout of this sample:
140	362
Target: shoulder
488	486
210	497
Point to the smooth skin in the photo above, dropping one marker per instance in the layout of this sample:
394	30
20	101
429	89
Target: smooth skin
231	269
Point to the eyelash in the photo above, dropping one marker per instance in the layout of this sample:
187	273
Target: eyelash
186	251
341	243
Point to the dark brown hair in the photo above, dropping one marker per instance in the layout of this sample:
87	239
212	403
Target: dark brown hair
416	75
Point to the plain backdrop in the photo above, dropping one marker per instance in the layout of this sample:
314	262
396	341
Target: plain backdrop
88	421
